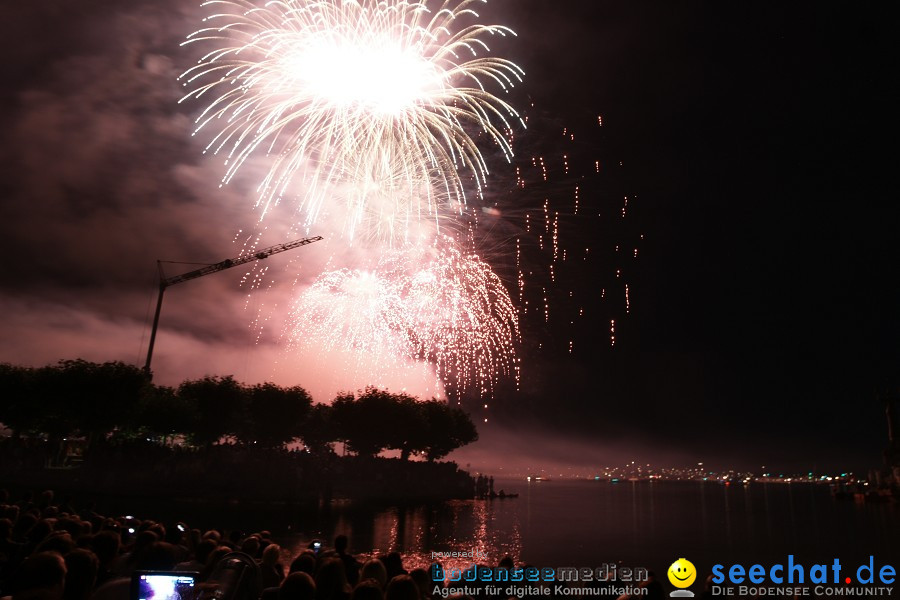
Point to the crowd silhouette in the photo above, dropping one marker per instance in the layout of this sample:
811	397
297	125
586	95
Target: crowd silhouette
49	550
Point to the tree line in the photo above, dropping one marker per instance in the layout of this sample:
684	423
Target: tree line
106	401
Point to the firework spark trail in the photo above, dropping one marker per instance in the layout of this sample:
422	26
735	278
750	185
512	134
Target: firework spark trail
568	216
346	92
351	309
432	305
461	318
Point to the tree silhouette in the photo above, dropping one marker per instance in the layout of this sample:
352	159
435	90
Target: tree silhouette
318	430
219	407
163	414
77	397
18	410
359	421
275	414
57	396
404	426
377	420
446	428
96	398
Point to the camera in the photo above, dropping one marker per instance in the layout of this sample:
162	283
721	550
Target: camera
235	577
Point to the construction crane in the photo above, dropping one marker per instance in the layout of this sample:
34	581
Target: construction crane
165	282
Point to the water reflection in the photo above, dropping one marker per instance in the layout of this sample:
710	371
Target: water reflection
727	510
487	530
587	523
752	534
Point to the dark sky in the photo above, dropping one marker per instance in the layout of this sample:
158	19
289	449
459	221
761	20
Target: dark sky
765	304
755	139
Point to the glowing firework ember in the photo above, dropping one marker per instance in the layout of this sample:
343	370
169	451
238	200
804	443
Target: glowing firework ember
429	304
354	93
461	318
350	309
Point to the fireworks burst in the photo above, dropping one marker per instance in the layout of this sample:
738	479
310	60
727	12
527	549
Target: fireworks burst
359	310
373	95
434	305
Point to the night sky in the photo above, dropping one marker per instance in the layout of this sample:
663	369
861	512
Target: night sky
755	141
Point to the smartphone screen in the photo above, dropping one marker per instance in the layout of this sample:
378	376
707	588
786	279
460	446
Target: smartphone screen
149	585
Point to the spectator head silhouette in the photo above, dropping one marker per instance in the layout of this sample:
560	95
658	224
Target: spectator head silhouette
374	569
41	576
297	586
423	581
81	574
305	562
271	555
340	544
402	587
331	581
367	589
393	563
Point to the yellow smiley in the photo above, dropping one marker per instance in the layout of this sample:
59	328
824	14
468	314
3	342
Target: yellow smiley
682	573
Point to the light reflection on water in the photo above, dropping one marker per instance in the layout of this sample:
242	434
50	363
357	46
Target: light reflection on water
588	523
484	528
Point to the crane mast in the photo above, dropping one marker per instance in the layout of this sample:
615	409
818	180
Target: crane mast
228	263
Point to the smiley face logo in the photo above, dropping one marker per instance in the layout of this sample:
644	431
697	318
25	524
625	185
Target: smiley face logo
682	573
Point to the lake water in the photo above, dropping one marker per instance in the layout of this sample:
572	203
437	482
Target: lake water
582	523
589	523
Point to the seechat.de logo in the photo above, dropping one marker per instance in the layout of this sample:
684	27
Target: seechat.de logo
682	574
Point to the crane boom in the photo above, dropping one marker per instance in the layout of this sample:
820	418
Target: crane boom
165	282
234	262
